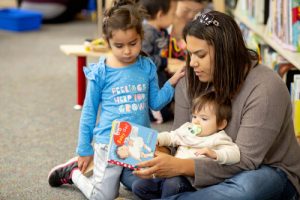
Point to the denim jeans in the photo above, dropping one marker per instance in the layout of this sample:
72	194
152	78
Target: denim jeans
161	187
263	183
127	178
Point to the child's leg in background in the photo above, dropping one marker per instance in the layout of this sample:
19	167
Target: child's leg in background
105	182
157	116
148	188
175	185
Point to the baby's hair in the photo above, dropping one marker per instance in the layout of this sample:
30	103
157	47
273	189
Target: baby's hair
123	15
222	109
154	6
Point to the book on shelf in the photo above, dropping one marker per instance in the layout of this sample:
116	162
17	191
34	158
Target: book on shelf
295	24
131	144
282	19
295	95
256	10
284	23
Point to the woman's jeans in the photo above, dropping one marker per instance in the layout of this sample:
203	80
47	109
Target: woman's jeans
161	187
263	183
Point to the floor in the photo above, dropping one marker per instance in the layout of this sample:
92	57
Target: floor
38	125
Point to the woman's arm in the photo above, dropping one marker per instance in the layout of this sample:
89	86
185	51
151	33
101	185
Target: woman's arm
182	112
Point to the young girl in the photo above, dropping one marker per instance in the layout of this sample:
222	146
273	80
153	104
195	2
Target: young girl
125	83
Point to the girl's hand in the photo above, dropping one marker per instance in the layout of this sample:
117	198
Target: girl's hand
177	76
83	162
174	64
165	166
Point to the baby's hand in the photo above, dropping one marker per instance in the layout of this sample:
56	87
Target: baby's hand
206	152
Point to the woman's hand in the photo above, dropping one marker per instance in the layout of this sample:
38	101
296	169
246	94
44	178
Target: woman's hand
83	162
165	166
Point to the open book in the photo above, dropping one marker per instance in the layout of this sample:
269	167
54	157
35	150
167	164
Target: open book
130	144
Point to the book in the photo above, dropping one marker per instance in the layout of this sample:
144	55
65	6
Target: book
131	144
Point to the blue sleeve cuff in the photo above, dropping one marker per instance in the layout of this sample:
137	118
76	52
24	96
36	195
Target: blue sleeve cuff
170	87
85	150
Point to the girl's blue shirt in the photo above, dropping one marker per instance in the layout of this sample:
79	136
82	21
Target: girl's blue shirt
124	94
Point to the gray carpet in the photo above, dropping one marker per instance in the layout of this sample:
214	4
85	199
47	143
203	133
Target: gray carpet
38	125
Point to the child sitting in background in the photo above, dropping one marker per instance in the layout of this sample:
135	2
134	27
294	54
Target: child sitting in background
155	43
125	85
185	12
204	137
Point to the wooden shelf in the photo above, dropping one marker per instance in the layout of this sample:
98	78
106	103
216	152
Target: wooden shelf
260	30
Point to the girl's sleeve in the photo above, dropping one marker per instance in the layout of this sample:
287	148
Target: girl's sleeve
264	111
89	111
158	98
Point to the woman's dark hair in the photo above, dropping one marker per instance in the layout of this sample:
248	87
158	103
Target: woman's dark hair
154	6
221	109
123	15
232	61
197	1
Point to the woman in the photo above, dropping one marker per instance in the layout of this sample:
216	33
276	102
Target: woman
261	123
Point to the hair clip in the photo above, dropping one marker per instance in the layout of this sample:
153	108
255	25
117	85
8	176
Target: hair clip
206	18
105	19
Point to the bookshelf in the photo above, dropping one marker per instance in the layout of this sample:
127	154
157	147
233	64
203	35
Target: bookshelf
260	30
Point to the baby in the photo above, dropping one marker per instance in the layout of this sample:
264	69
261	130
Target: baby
203	137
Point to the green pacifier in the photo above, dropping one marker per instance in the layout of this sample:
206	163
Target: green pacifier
195	129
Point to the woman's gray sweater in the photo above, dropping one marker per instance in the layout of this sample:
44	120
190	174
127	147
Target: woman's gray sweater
261	126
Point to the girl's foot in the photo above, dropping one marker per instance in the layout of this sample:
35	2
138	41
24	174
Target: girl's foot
62	174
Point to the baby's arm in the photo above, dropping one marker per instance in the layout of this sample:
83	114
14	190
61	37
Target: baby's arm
226	150
174	138
206	152
171	138
228	154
